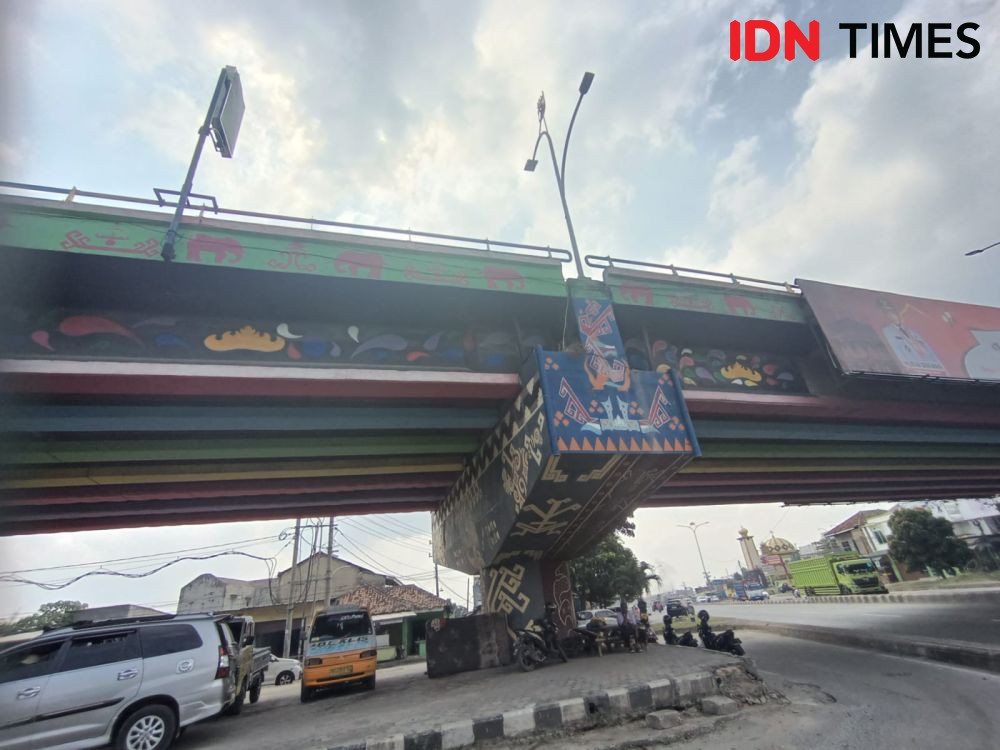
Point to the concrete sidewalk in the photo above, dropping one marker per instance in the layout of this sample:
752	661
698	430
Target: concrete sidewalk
407	710
923	596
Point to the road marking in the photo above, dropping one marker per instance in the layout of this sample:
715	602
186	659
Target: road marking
882	614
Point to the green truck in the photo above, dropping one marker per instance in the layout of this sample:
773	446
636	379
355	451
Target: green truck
835	574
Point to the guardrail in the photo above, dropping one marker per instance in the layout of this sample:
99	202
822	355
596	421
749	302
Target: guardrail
607	261
555	253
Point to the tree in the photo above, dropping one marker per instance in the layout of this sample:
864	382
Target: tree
49	615
921	539
609	573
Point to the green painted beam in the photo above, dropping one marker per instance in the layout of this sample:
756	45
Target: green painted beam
732	466
760	431
55	418
56	226
99	451
77	476
719	449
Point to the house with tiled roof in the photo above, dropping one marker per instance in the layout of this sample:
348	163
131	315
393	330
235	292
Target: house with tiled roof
266	600
400	613
847	536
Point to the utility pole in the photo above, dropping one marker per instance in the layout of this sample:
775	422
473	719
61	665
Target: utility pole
437	583
467	580
286	650
693	528
329	565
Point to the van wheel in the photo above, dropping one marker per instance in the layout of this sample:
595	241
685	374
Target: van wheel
305	694
369	683
150	728
844	591
255	690
234	708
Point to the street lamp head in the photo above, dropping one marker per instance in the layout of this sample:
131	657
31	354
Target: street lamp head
529	166
541	107
588	78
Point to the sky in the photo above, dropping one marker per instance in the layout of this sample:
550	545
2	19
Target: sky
867	172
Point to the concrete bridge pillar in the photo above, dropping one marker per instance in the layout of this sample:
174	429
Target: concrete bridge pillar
585	440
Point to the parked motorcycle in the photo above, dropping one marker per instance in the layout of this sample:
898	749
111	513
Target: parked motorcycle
532	648
687	640
725	641
582	642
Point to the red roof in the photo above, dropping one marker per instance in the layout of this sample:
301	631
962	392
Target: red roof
856	520
392	599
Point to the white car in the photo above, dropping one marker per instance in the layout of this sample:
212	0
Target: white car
284	671
582	618
701	599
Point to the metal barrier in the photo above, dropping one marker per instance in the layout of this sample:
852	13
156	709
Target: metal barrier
560	254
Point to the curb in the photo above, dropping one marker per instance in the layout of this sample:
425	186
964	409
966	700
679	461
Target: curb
571	713
965	597
964	655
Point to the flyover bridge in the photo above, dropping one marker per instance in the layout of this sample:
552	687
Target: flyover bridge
272	371
275	370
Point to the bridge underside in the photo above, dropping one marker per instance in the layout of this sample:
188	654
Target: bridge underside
353	444
139	394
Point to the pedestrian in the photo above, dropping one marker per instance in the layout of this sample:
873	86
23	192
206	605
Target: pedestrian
631	629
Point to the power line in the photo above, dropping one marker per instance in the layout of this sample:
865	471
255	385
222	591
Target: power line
382	536
230	545
270	561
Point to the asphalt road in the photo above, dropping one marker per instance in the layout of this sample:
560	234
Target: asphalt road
849	698
977	622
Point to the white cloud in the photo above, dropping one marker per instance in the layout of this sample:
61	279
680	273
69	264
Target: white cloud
895	177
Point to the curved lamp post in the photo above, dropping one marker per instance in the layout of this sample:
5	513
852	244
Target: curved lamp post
693	528
560	169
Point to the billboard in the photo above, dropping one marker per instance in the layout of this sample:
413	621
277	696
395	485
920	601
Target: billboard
891	334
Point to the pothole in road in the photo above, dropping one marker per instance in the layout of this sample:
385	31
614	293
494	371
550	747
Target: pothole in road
807	692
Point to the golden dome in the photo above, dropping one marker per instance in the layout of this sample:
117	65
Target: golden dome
777	546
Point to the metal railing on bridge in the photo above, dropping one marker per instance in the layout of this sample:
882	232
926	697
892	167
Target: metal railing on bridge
454	240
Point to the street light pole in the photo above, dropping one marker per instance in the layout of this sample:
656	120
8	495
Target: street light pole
560	169
693	528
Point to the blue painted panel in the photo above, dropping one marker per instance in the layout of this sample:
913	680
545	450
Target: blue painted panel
588	412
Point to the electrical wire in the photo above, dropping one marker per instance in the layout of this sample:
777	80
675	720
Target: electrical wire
270	561
395	540
231	545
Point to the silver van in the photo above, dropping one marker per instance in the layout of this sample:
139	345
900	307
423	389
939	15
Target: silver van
134	683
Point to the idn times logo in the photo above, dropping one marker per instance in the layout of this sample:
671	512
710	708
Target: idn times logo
887	40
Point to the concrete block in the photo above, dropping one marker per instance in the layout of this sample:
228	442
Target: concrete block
718	705
457	735
665	719
618	700
664	693
516	723
395	742
574	711
691	687
640	698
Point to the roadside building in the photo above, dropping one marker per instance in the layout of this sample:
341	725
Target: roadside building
976	522
400	614
847	537
266	600
113	612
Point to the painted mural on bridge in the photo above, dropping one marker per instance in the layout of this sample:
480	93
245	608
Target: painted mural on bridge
717	368
88	231
134	336
715	298
892	334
